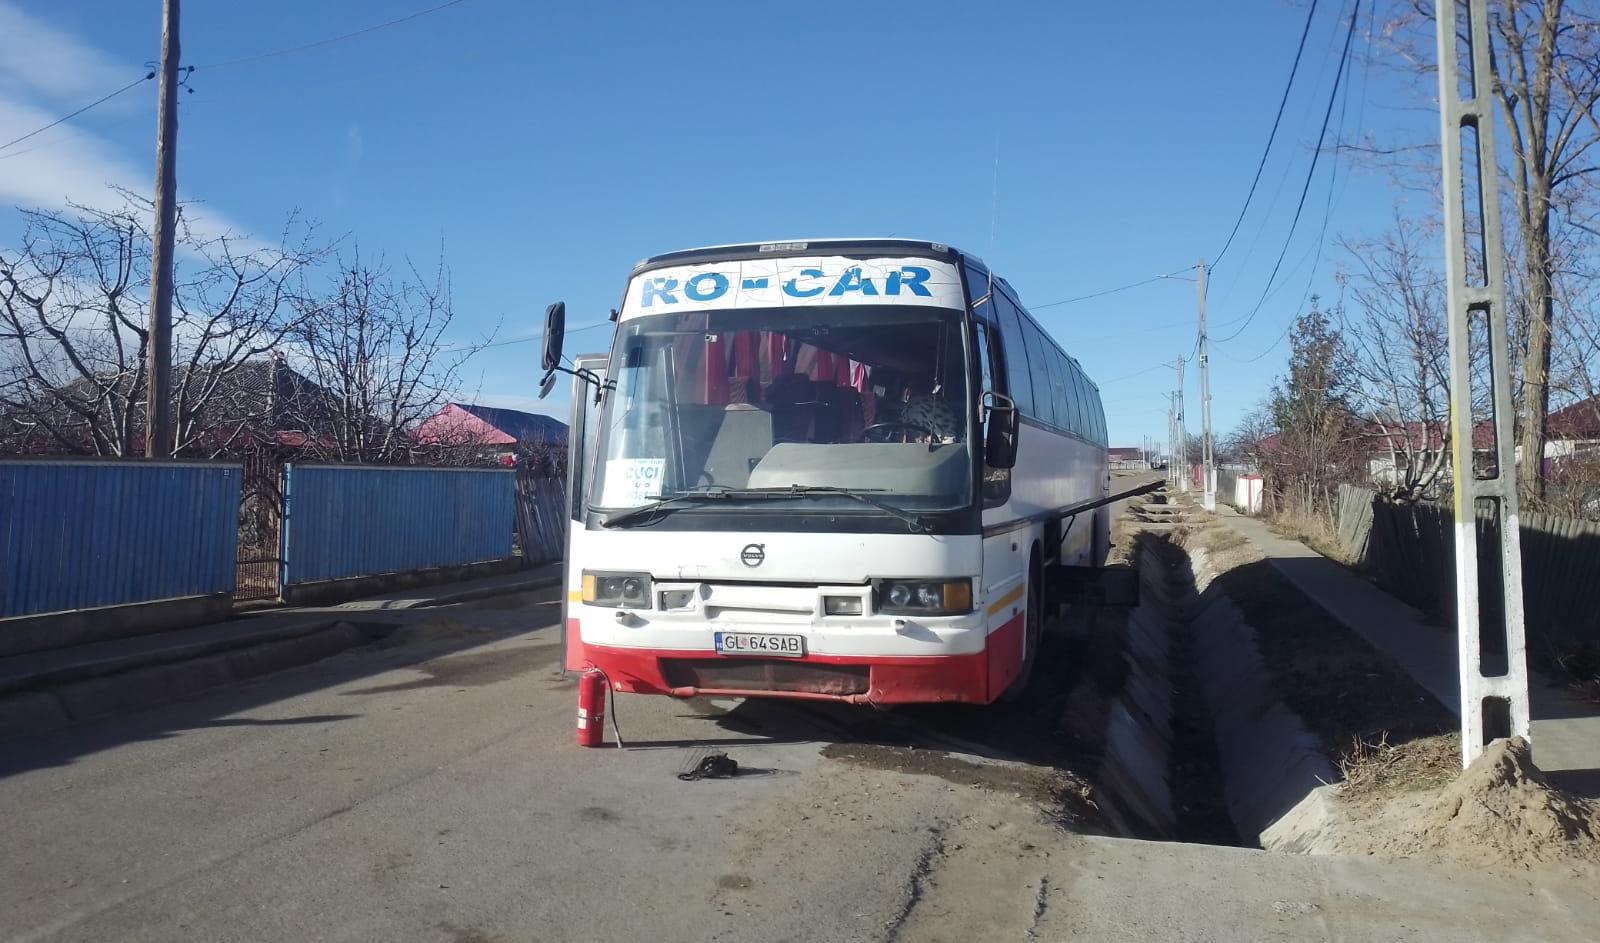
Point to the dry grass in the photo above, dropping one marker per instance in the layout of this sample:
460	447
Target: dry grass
1312	529
1375	769
1580	662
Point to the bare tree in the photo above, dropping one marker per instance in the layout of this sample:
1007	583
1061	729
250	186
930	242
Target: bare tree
1395	348
73	329
1250	441
1545	64
372	346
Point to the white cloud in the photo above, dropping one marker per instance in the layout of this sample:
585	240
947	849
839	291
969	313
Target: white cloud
44	73
54	65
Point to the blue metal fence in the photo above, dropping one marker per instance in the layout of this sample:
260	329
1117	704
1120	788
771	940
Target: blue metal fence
344	521
77	533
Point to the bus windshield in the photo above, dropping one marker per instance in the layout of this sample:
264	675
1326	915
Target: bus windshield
862	398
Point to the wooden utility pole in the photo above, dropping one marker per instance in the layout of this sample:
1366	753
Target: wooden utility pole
1208	462
158	431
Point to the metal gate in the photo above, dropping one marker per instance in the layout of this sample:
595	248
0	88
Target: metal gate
260	525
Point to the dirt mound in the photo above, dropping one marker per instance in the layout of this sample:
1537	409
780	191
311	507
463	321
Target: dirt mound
1500	812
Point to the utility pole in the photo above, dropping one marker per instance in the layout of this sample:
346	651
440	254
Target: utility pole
1172	439
158	432
1181	456
1494	693
1208	464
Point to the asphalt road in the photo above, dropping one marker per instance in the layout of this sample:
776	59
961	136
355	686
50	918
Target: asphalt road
427	788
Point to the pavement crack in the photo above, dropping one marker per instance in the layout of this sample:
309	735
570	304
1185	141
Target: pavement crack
1041	900
917	882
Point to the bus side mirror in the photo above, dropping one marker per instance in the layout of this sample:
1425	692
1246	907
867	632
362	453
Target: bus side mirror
555	329
1000	432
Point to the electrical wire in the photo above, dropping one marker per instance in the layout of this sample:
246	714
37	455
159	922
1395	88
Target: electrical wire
1136	373
532	338
332	39
1259	356
1327	115
1111	291
540	336
94	104
1271	136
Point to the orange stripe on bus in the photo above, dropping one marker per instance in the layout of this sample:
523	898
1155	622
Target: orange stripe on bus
1007	599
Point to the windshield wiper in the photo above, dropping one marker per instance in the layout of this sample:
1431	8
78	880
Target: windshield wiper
912	521
667	503
672	501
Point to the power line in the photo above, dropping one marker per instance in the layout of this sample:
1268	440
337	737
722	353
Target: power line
1264	353
97	102
1136	373
1333	96
332	39
1110	291
532	338
1272	136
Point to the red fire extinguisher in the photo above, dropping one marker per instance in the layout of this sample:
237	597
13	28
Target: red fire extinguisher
591	707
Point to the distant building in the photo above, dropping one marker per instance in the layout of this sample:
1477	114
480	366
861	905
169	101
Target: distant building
1573	432
1126	457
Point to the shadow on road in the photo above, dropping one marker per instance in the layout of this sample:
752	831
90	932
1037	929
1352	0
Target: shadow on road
438	642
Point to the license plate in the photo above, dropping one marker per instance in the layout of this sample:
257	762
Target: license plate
760	643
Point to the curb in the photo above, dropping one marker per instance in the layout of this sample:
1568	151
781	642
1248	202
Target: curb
36	712
122	664
52	699
489	592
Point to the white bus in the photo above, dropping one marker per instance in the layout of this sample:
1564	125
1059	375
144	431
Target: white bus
835	469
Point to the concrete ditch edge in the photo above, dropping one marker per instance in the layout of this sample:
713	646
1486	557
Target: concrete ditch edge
1272	764
1138	736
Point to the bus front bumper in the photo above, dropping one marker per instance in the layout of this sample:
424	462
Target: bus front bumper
962	678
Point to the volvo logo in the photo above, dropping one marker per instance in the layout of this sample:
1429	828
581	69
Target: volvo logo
753	554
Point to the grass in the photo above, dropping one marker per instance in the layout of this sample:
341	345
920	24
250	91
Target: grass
1375	769
1312	529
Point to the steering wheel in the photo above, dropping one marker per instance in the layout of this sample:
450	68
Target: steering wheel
883	427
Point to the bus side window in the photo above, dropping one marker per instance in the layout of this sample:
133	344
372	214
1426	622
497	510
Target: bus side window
1059	390
1073	383
1085	407
1039	354
985	359
1014	346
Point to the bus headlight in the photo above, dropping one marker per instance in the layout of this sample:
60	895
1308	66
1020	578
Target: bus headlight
617	590
923	597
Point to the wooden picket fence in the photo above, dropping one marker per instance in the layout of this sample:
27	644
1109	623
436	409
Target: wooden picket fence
1410	550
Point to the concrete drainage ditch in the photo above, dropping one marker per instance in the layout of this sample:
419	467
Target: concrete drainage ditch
1198	748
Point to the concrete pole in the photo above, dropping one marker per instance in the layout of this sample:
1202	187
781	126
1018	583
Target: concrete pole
158	434
1208	470
1183	437
1494	703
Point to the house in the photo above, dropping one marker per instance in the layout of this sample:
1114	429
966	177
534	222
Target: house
492	428
1573	431
1126	457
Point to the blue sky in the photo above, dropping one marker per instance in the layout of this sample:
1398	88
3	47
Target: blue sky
548	147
